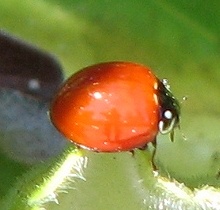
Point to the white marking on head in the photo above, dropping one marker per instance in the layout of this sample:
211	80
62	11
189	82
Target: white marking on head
168	114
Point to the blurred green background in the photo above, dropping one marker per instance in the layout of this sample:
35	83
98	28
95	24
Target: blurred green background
179	40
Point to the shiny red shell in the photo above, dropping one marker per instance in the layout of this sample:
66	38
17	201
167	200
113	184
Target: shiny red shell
108	107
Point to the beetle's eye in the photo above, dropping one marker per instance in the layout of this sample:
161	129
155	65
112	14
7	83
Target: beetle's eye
168	122
169	109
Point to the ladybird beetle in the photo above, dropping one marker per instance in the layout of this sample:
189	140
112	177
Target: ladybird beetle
114	106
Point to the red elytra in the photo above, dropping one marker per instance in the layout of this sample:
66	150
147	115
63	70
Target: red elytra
109	107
